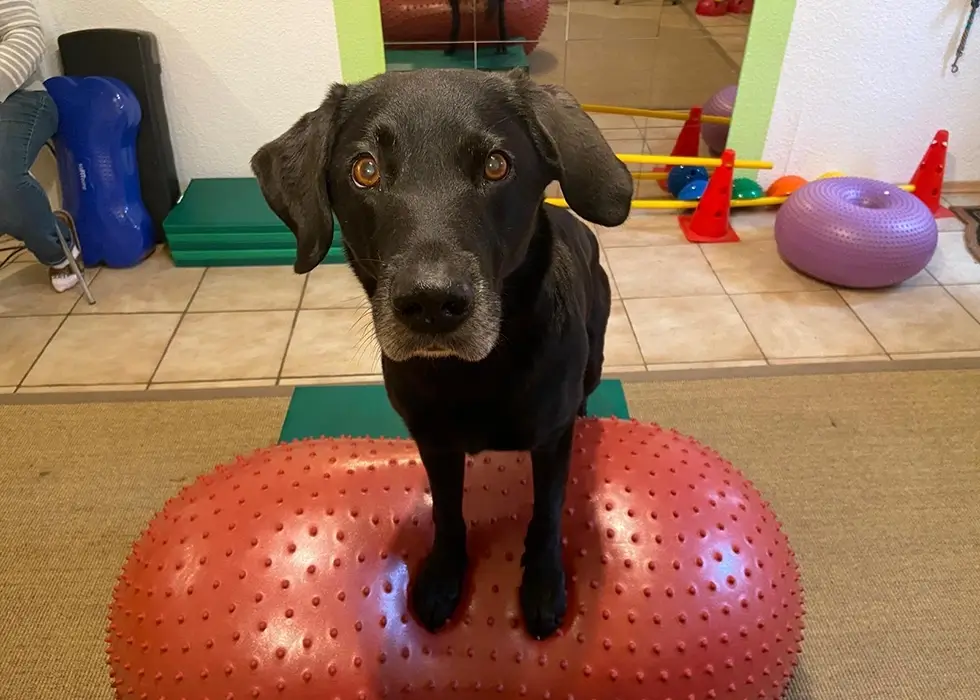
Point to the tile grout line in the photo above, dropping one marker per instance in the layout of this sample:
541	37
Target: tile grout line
292	327
731	301
704	30
847	365
688	296
657	367
620	299
882	351
940	285
219	381
41	352
3	316
180	322
863	324
75	388
57	330
629	319
816	291
958	302
168	313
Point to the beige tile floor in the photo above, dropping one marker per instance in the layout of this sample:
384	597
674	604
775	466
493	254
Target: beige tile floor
677	306
730	32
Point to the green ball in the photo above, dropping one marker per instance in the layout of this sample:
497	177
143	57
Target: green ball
745	188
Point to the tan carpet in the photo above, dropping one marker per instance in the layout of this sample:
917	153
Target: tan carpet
876	476
77	484
877	480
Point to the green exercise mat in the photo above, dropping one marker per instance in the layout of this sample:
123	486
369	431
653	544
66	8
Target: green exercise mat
222	204
363	410
233	240
246	258
226	222
486	57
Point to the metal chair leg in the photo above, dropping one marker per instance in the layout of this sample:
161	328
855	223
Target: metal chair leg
66	245
75	269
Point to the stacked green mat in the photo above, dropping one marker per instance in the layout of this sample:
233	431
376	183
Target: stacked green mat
360	410
486	57
225	222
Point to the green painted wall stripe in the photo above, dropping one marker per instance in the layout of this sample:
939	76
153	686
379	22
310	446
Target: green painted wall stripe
359	38
759	79
362	56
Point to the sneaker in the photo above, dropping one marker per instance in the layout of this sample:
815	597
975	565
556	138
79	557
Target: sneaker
62	275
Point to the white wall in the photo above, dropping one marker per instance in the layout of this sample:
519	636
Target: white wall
865	85
235	72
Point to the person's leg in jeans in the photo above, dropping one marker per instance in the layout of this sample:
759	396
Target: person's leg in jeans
27	120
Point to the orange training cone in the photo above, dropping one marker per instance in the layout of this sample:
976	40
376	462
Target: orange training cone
928	178
687	144
710	221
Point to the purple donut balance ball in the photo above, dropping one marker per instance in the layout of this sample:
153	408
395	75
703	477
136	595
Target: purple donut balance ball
721	104
855	232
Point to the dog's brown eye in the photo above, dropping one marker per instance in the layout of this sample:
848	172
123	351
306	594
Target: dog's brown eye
365	172
496	167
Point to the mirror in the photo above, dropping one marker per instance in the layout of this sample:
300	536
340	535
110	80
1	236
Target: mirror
663	55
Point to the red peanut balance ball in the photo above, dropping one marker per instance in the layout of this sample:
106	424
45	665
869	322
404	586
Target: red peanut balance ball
284	575
411	24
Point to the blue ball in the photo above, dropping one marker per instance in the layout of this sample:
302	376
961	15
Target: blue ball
680	175
693	191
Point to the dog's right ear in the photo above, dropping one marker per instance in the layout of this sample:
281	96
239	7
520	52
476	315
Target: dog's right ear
292	174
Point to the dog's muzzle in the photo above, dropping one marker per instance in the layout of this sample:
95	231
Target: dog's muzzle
434	309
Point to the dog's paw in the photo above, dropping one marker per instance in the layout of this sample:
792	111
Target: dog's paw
543	600
437	589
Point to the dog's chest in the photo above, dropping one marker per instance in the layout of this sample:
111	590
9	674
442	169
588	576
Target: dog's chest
473	423
507	417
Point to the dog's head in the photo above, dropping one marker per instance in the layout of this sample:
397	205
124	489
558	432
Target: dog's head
437	180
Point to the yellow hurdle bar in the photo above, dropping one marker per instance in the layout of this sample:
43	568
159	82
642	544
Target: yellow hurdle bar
649	176
654	113
677	204
684	160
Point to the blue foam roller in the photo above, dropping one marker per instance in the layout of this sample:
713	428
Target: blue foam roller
98	120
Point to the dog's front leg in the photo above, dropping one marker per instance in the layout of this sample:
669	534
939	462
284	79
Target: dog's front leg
543	599
438	584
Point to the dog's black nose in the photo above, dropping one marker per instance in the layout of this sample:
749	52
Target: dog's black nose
433	308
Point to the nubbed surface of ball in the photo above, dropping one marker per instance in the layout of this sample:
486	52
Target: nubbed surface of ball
721	104
284	575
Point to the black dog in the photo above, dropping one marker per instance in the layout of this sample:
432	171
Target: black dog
490	306
494	8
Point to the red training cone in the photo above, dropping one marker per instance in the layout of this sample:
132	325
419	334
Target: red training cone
928	178
710	221
687	144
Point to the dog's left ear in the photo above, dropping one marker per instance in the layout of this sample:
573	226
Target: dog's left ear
597	185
